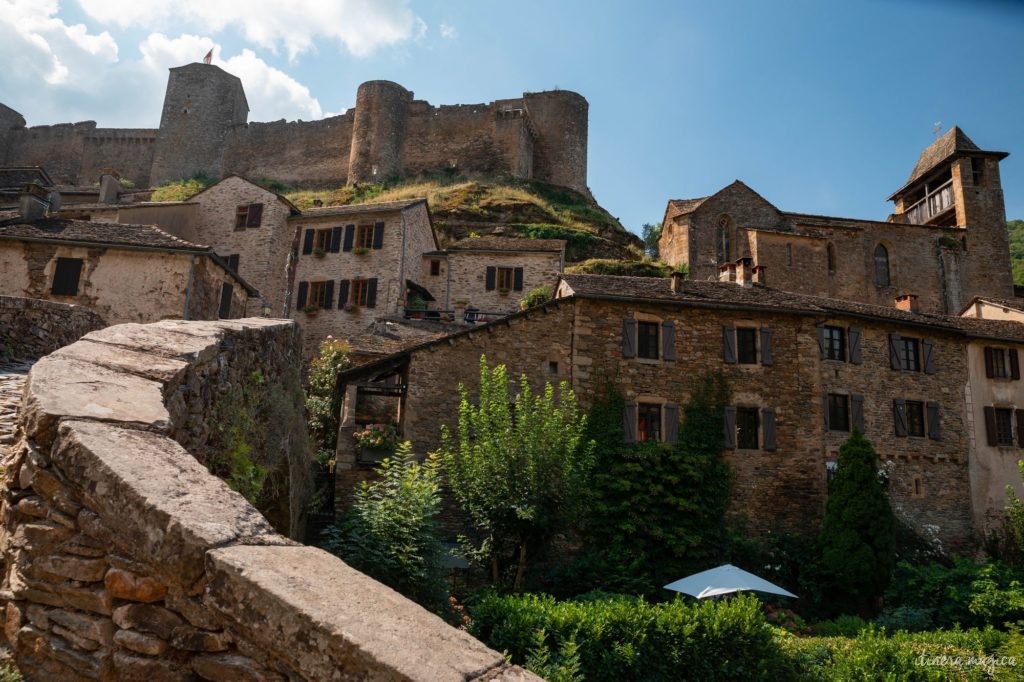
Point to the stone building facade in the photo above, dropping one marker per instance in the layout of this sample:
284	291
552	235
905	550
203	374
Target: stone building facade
203	128
804	371
946	241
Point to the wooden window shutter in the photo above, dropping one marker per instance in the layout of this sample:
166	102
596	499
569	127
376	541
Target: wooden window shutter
489	277
517	279
932	410
342	293
307	242
824	412
336	239
371	292
378	235
668	340
329	294
899	417
766	347
254	216
300	299
990	426
894	351
821	341
628	337
350	237
629	422
671	416
928	349
1014	364
729	345
1019	414
226	290
729	428
857	412
853	335
990	363
768	427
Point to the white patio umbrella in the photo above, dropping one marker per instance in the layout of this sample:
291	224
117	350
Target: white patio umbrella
724	580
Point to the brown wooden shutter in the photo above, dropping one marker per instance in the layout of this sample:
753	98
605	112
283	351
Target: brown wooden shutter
899	417
517	279
342	293
668	340
371	292
1014	364
990	426
729	345
766	347
671	413
378	235
824	413
350	238
729	428
928	348
1019	414
857	412
628	337
226	290
336	239
629	422
853	336
990	363
254	215
932	410
821	341
490	275
329	294
894	351
300	299
768	424
307	242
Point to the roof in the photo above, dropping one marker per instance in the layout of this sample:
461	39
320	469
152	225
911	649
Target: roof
359	209
493	243
129	205
280	197
954	142
684	206
90	232
19	176
1012	303
395	337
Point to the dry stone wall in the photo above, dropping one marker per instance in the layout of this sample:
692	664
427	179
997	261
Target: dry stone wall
31	328
124	558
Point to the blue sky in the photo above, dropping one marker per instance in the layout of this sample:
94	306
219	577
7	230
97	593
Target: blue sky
822	107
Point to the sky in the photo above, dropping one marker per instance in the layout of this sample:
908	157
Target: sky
820	106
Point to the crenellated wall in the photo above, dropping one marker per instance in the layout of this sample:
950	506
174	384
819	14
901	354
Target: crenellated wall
124	558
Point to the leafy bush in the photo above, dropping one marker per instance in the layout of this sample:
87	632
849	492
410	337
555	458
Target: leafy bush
184	189
323	402
842	626
907	618
536	296
577	242
624	268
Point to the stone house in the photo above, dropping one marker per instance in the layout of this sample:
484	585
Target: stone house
946	242
490	275
804	371
125	273
357	264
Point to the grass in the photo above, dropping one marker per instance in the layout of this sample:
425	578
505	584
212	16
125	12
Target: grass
611	266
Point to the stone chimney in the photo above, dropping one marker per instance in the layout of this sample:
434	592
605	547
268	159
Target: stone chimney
109	188
33	203
727	272
677	282
758	278
744	271
908	303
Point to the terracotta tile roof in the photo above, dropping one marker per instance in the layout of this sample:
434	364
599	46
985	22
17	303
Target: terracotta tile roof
953	142
726	295
493	243
103	233
1012	303
358	209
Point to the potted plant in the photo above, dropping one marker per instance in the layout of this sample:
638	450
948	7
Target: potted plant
376	441
360	251
312	309
415	307
351	308
319	253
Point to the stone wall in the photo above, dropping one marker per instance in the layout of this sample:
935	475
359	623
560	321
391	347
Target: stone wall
31	328
125	559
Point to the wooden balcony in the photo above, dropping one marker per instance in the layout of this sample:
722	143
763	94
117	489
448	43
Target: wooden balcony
935	203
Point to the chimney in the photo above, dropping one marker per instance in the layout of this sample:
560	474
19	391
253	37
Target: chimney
109	187
908	303
758	277
744	270
33	203
727	272
677	282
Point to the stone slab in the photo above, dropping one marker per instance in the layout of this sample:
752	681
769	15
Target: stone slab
146	365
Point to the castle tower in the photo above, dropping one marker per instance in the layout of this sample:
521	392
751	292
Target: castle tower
560	119
10	120
956	184
203	103
378	131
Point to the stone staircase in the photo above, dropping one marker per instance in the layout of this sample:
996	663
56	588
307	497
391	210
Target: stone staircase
12	381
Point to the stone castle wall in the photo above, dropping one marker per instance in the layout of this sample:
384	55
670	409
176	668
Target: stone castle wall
125	559
31	328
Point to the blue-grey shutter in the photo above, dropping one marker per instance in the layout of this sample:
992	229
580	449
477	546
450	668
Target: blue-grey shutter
517	279
899	416
307	242
336	239
853	336
821	341
489	277
254	215
628	337
766	347
300	301
729	428
629	422
824	412
342	293
225	300
378	235
857	412
894	351
329	294
928	347
371	292
768	425
671	413
350	237
933	421
729	344
668	340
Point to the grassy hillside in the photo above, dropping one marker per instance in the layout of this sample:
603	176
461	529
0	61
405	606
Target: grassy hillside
1016	229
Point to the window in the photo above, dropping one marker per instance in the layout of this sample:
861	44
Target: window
830	255
915	418
505	279
364	236
552	367
66	275
722	240
647	340
910	354
838	412
241	217
746	345
317	294
881	266
1003	426
977	171
249	215
1002	363
359	292
834	346
435	268
323	240
747	423
648	422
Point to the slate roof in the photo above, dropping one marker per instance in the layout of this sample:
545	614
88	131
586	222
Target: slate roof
493	243
953	142
101	233
20	176
684	206
359	209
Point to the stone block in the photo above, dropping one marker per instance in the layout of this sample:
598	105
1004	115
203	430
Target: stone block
129	668
92	526
33	506
83	545
232	668
122	584
73	638
146	365
152	339
140	642
38	616
14	616
192	609
97	629
188	638
75	568
147	618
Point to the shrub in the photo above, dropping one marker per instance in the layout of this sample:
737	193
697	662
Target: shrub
184	189
323	402
536	296
842	626
625	268
908	618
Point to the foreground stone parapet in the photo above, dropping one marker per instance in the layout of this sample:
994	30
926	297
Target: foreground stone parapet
124	558
31	328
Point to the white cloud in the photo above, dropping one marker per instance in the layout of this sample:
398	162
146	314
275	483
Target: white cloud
361	26
272	94
448	31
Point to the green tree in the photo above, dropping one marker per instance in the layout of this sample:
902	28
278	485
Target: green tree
323	400
518	466
858	534
1015	229
391	532
1015	518
651	233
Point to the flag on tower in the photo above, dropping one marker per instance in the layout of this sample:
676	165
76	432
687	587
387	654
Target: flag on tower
209	57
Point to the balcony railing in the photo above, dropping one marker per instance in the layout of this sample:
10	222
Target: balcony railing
934	204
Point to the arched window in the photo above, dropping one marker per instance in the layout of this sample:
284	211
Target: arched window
881	266
723	239
830	253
